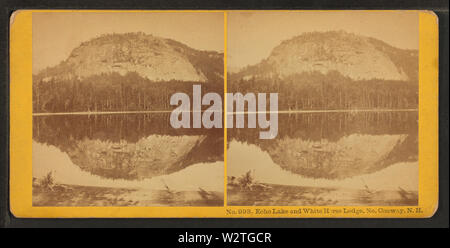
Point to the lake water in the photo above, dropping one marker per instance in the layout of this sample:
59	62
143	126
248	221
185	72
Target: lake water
348	158
339	158
125	159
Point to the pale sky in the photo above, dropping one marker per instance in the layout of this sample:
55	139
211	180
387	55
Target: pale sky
55	35
252	36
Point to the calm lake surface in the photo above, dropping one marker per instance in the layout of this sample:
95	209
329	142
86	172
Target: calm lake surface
347	158
125	159
343	158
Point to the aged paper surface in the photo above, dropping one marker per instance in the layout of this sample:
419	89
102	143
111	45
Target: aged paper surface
224	113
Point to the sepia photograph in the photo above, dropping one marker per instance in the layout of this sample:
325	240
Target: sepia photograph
102	84
152	114
347	85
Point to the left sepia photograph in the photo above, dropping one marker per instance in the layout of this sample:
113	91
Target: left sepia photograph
102	87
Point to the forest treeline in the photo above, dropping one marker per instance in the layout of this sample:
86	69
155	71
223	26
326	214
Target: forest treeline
306	91
317	91
110	92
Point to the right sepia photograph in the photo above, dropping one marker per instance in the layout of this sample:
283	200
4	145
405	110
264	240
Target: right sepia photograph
347	85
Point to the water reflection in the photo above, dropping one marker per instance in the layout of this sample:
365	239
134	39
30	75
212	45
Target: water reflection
133	150
347	154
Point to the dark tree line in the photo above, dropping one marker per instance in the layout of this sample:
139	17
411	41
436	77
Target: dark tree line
57	129
110	92
316	91
334	126
306	91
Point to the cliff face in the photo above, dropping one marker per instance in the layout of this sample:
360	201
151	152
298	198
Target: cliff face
151	156
135	146
350	156
152	57
354	56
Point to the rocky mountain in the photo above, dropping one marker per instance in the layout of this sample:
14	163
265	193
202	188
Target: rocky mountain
350	156
354	56
337	145
152	57
150	156
128	146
